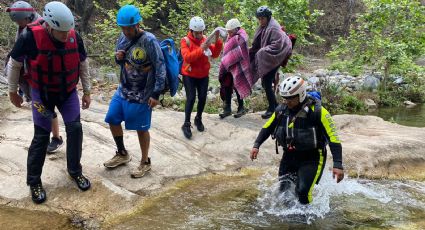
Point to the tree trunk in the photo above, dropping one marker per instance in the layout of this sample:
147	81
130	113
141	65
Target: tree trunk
386	75
83	10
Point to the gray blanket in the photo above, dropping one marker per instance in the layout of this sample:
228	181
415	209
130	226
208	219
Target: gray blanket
270	47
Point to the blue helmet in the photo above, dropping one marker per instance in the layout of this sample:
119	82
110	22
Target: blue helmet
128	15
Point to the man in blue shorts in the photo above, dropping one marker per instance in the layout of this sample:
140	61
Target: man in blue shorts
141	82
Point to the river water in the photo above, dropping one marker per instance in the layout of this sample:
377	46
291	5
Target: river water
249	200
414	116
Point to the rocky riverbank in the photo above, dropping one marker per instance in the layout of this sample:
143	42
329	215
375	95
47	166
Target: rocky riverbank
372	148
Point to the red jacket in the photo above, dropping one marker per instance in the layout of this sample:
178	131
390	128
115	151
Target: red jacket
54	70
195	63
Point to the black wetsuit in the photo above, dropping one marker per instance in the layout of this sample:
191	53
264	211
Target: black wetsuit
303	136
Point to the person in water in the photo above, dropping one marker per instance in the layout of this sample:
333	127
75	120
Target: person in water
303	128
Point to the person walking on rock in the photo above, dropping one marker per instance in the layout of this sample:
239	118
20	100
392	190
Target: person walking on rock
195	70
269	49
235	73
142	80
23	14
303	128
56	58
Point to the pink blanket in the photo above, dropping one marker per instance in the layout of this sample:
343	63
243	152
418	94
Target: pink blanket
235	61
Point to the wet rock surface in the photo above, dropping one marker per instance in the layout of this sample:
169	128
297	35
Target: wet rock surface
372	148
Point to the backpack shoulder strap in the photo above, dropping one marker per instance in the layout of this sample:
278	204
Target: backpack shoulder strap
317	109
279	115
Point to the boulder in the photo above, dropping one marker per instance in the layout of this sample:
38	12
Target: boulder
320	73
371	82
409	104
370	104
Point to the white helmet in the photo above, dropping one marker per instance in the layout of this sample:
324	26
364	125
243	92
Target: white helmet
233	24
58	16
293	86
197	24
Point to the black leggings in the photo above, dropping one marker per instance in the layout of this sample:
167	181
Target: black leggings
267	82
40	141
192	85
304	174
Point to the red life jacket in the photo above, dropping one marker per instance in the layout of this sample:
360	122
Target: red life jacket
54	70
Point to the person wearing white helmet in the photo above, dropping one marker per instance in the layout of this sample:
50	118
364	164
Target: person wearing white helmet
23	14
269	49
57	59
235	73
195	70
303	128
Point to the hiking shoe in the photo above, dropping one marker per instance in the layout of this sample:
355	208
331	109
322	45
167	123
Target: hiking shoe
38	194
266	115
199	125
82	182
55	144
226	112
118	159
186	130
142	169
241	111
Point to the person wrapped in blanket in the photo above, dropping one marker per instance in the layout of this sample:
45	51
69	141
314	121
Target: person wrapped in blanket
235	73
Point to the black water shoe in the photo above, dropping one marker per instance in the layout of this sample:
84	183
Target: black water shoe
241	111
82	182
38	193
186	130
199	125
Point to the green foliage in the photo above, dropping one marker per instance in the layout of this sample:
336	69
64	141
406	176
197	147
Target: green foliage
388	37
8	28
337	100
107	31
257	103
179	16
294	14
413	90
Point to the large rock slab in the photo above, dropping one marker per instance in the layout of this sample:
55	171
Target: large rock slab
371	147
375	148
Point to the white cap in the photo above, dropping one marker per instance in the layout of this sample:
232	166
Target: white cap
233	24
58	16
197	24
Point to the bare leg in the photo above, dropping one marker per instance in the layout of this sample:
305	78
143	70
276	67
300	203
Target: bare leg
55	127
144	141
116	130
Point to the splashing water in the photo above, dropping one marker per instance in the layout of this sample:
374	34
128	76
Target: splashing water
286	206
253	201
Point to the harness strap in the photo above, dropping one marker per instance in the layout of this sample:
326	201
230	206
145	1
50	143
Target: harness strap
58	73
64	85
59	52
